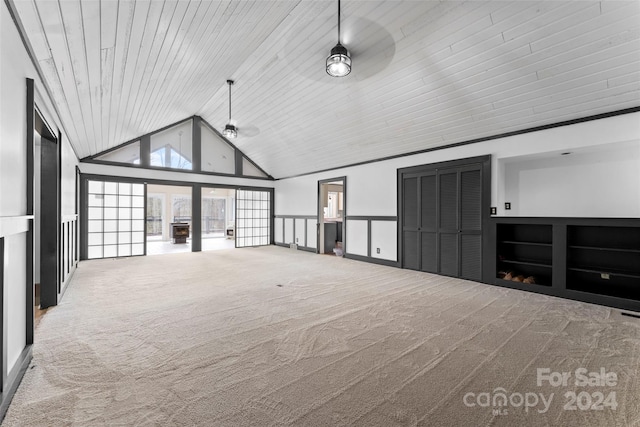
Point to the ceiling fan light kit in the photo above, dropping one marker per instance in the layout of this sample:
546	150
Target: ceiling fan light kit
339	61
230	130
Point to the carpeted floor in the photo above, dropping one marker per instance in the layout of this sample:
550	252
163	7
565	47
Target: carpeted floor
273	336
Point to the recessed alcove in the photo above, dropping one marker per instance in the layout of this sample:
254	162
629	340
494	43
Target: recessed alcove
597	181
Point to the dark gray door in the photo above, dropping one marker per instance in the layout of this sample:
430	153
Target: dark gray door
442	221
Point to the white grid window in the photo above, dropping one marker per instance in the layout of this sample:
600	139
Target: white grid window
115	219
253	213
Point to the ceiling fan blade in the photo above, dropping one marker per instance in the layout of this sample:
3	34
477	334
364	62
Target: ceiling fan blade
249	131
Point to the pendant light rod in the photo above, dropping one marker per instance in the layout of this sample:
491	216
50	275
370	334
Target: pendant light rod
230	130
230	82
338	21
338	63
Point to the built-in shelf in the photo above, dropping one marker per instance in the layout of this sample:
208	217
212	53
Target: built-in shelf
605	271
537	287
589	259
525	250
604	260
512	242
591	248
526	262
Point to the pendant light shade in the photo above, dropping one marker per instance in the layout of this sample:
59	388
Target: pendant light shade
230	130
339	61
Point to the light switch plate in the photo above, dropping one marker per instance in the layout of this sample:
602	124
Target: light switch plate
507	205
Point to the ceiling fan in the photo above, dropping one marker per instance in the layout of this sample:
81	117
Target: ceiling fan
362	42
230	130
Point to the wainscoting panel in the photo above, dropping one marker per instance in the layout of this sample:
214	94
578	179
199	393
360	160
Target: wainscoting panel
298	229
312	233
16	303
357	239
69	246
384	240
278	230
289	224
372	239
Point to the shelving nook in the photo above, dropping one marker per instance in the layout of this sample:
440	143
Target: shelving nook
526	250
604	260
594	260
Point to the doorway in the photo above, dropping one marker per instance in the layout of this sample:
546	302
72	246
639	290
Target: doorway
46	199
332	204
218	218
169	219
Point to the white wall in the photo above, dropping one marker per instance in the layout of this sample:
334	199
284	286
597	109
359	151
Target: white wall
15	68
600	183
372	188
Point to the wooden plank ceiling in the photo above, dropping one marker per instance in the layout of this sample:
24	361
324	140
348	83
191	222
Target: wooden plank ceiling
425	73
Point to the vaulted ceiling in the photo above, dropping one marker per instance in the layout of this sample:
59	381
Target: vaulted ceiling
425	73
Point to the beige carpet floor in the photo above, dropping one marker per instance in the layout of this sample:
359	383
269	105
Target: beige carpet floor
273	336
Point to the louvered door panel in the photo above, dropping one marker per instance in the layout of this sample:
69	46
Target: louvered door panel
448	197
428	203
410	223
429	223
471	256
470	200
471	223
411	251
410	208
449	254
448	192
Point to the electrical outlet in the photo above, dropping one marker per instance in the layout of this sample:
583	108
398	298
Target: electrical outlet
377	250
605	276
494	210
507	205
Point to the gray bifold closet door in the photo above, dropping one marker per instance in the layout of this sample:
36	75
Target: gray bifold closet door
442	221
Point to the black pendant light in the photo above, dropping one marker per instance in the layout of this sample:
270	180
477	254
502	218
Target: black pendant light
338	62
230	130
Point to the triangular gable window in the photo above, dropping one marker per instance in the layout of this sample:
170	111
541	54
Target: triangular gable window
172	148
129	154
249	169
217	155
167	157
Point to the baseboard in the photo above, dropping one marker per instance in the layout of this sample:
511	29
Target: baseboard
65	285
300	248
13	380
372	260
